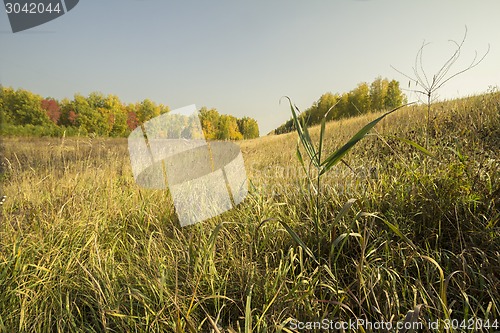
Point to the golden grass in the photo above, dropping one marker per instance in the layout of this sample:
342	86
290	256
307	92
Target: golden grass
84	249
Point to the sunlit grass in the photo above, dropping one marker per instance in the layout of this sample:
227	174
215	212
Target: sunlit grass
84	249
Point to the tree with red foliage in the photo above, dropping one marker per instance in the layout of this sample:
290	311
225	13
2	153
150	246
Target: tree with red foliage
72	117
52	109
132	120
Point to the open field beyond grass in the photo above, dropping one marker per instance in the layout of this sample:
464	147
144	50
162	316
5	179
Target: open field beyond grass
84	249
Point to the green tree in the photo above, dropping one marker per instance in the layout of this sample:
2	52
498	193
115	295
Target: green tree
228	128
378	93
395	96
248	127
95	116
321	107
209	122
5	100
24	108
344	106
147	110
68	114
88	118
223	127
96	100
3	115
163	108
116	115
360	99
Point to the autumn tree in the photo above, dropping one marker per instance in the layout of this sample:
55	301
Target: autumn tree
52	109
106	115
116	115
394	97
5	98
23	107
343	107
248	127
96	100
228	128
132	118
325	103
88	118
209	119
359	98
147	110
378	93
68	114
163	108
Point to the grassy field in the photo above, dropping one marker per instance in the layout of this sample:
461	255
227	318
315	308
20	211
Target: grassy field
84	249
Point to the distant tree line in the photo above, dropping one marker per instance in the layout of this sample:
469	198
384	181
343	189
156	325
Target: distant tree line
226	127
381	94
25	113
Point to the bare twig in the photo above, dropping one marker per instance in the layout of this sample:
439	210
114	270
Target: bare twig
429	87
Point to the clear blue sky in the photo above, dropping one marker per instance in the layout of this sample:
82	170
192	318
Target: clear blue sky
242	56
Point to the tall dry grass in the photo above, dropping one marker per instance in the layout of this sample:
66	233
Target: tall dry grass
83	249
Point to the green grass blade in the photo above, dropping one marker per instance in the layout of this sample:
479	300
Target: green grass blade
299	157
322	132
394	228
414	145
343	237
344	210
321	138
299	154
459	155
297	239
312	151
213	236
303	133
334	158
248	313
442	290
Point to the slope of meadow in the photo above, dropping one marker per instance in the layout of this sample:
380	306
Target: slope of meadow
83	249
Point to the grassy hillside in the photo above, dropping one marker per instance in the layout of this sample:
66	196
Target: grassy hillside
83	249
